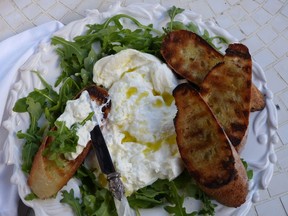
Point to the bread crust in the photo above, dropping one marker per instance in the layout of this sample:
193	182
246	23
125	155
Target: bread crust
46	178
257	100
206	151
235	192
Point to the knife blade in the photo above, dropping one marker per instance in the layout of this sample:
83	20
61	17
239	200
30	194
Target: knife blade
101	150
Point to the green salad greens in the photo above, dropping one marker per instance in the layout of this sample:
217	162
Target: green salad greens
77	58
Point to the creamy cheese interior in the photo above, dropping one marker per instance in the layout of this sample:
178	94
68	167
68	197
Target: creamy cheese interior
140	133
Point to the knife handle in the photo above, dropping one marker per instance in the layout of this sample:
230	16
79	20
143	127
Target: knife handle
115	185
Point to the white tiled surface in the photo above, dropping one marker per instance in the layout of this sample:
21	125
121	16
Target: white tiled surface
260	24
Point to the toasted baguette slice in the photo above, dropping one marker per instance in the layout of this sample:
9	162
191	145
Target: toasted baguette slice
189	55
192	58
46	178
227	90
206	151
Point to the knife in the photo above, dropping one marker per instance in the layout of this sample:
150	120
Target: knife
106	165
105	162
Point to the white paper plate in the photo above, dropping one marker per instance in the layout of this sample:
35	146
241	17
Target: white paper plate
258	152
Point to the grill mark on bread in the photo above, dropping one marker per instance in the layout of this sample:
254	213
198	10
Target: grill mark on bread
235	140
238	127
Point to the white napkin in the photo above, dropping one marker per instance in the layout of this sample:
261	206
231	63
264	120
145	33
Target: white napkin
14	52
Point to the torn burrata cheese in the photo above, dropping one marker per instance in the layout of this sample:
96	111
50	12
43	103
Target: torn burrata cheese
140	132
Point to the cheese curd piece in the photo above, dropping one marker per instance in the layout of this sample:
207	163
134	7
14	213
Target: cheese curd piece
140	133
127	60
76	111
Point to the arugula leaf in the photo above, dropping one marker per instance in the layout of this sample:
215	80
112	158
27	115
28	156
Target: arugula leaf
32	136
72	51
37	95
150	196
35	111
20	105
248	171
96	200
88	118
187	185
30	196
177	200
116	20
177	25
208	207
68	197
28	152
46	97
99	204
68	90
171	194
172	13
64	141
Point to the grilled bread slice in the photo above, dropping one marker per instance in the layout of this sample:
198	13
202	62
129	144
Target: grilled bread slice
206	151
192	58
227	90
46	178
189	55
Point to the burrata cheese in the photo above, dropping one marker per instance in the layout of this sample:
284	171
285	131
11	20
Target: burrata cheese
140	132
